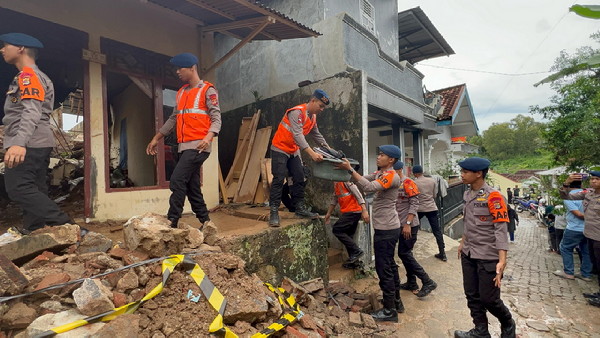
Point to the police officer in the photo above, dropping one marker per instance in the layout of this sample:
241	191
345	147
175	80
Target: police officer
28	138
288	141
197	120
591	213
428	189
407	205
353	208
483	250
384	183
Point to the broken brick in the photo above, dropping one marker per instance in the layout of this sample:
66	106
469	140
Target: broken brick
293	332
53	279
354	319
119	299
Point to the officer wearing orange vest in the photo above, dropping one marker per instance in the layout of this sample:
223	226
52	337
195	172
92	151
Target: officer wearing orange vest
352	207
197	120
289	139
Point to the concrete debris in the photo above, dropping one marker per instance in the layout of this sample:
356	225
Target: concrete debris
128	325
53	239
12	280
49	321
18	317
151	233
92	298
94	242
210	233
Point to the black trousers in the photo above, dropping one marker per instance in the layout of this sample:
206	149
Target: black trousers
482	294
344	229
281	164
384	245
26	186
185	181
432	217
595	255
413	268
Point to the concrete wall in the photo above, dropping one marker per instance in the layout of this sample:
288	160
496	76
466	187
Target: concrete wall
340	123
151	27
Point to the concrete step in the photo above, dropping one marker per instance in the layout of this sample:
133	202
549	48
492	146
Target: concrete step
339	274
334	256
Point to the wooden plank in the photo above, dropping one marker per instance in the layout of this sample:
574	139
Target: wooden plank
241	149
255	120
269	172
259	196
263	174
248	183
222	187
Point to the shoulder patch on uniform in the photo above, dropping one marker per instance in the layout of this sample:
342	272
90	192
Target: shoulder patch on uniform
30	86
386	179
497	207
410	188
214	100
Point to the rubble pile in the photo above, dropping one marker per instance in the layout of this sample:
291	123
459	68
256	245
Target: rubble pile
57	256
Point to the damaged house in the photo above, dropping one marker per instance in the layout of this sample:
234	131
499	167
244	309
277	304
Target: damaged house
116	53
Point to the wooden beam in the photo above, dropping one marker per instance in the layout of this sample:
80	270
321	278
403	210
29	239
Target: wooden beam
236	24
264	11
211	8
233	35
268	20
270	36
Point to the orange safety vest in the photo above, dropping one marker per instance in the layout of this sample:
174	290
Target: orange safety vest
284	139
193	120
346	199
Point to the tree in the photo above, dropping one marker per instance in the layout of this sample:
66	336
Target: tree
519	137
574	112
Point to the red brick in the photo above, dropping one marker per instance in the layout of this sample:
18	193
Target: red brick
53	279
308	322
134	257
293	332
119	299
356	308
117	253
45	256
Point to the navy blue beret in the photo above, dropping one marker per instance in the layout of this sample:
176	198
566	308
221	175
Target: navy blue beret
321	95
20	39
184	60
475	163
417	169
398	165
390	150
595	173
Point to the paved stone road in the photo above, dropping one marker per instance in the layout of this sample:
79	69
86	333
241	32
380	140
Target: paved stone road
542	304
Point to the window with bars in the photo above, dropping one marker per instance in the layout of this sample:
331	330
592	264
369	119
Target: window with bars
367	15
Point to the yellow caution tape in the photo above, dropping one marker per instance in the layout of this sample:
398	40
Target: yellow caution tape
212	294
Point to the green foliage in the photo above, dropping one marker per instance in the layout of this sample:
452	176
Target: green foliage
510	166
587	11
519	137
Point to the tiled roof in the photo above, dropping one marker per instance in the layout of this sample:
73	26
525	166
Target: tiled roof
522	175
450	98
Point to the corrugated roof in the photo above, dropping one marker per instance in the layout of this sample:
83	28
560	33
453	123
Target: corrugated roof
418	38
213	12
450	98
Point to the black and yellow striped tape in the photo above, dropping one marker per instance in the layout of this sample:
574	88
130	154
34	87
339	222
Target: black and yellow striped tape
212	294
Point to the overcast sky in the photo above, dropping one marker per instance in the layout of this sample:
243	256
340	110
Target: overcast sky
502	36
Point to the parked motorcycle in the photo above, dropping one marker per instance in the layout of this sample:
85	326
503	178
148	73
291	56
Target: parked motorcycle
522	204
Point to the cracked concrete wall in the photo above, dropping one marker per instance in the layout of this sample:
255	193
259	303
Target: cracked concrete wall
340	123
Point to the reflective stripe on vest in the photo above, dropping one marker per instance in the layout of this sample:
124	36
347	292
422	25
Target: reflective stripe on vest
193	120
346	200
284	138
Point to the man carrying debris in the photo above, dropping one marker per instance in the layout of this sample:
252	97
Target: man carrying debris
353	208
428	189
407	206
483	250
288	141
384	183
197	120
28	137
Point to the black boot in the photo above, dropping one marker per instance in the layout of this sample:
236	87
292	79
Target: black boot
508	330
479	331
174	222
398	301
427	288
304	212
274	217
441	256
354	257
385	315
410	286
